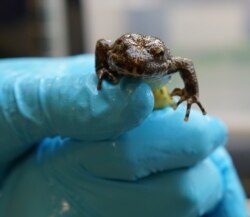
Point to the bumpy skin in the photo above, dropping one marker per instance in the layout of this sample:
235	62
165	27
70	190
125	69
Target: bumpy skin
105	164
144	56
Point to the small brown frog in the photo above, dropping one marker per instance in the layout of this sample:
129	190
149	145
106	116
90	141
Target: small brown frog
145	57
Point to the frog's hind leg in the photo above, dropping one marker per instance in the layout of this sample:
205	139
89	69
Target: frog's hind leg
104	74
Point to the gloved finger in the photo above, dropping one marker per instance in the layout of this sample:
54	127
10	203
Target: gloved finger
162	142
59	184
233	202
46	97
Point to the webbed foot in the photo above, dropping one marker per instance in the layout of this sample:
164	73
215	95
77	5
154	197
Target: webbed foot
191	99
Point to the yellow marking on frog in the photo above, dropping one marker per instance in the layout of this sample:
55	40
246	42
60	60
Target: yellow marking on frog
162	98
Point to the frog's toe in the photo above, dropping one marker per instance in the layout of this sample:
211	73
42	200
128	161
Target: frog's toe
191	101
181	100
177	92
201	107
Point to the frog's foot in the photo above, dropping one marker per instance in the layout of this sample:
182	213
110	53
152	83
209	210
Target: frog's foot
104	74
191	99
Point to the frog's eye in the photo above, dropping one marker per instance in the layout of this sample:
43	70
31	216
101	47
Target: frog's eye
159	51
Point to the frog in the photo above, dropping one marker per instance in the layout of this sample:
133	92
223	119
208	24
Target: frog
146	57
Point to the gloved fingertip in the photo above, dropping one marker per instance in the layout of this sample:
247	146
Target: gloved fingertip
101	114
212	130
141	100
217	131
201	134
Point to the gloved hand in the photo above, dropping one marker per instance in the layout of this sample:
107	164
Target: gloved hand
113	157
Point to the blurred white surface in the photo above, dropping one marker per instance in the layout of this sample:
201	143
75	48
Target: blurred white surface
185	24
198	26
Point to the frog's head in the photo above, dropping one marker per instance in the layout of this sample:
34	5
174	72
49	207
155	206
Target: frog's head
139	56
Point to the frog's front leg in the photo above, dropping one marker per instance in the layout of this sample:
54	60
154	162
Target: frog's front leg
101	63
104	74
190	92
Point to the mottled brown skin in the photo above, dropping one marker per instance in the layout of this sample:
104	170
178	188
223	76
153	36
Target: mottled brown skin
146	57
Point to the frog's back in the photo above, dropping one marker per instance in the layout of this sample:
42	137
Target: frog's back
139	46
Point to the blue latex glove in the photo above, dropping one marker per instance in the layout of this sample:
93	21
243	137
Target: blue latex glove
114	157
